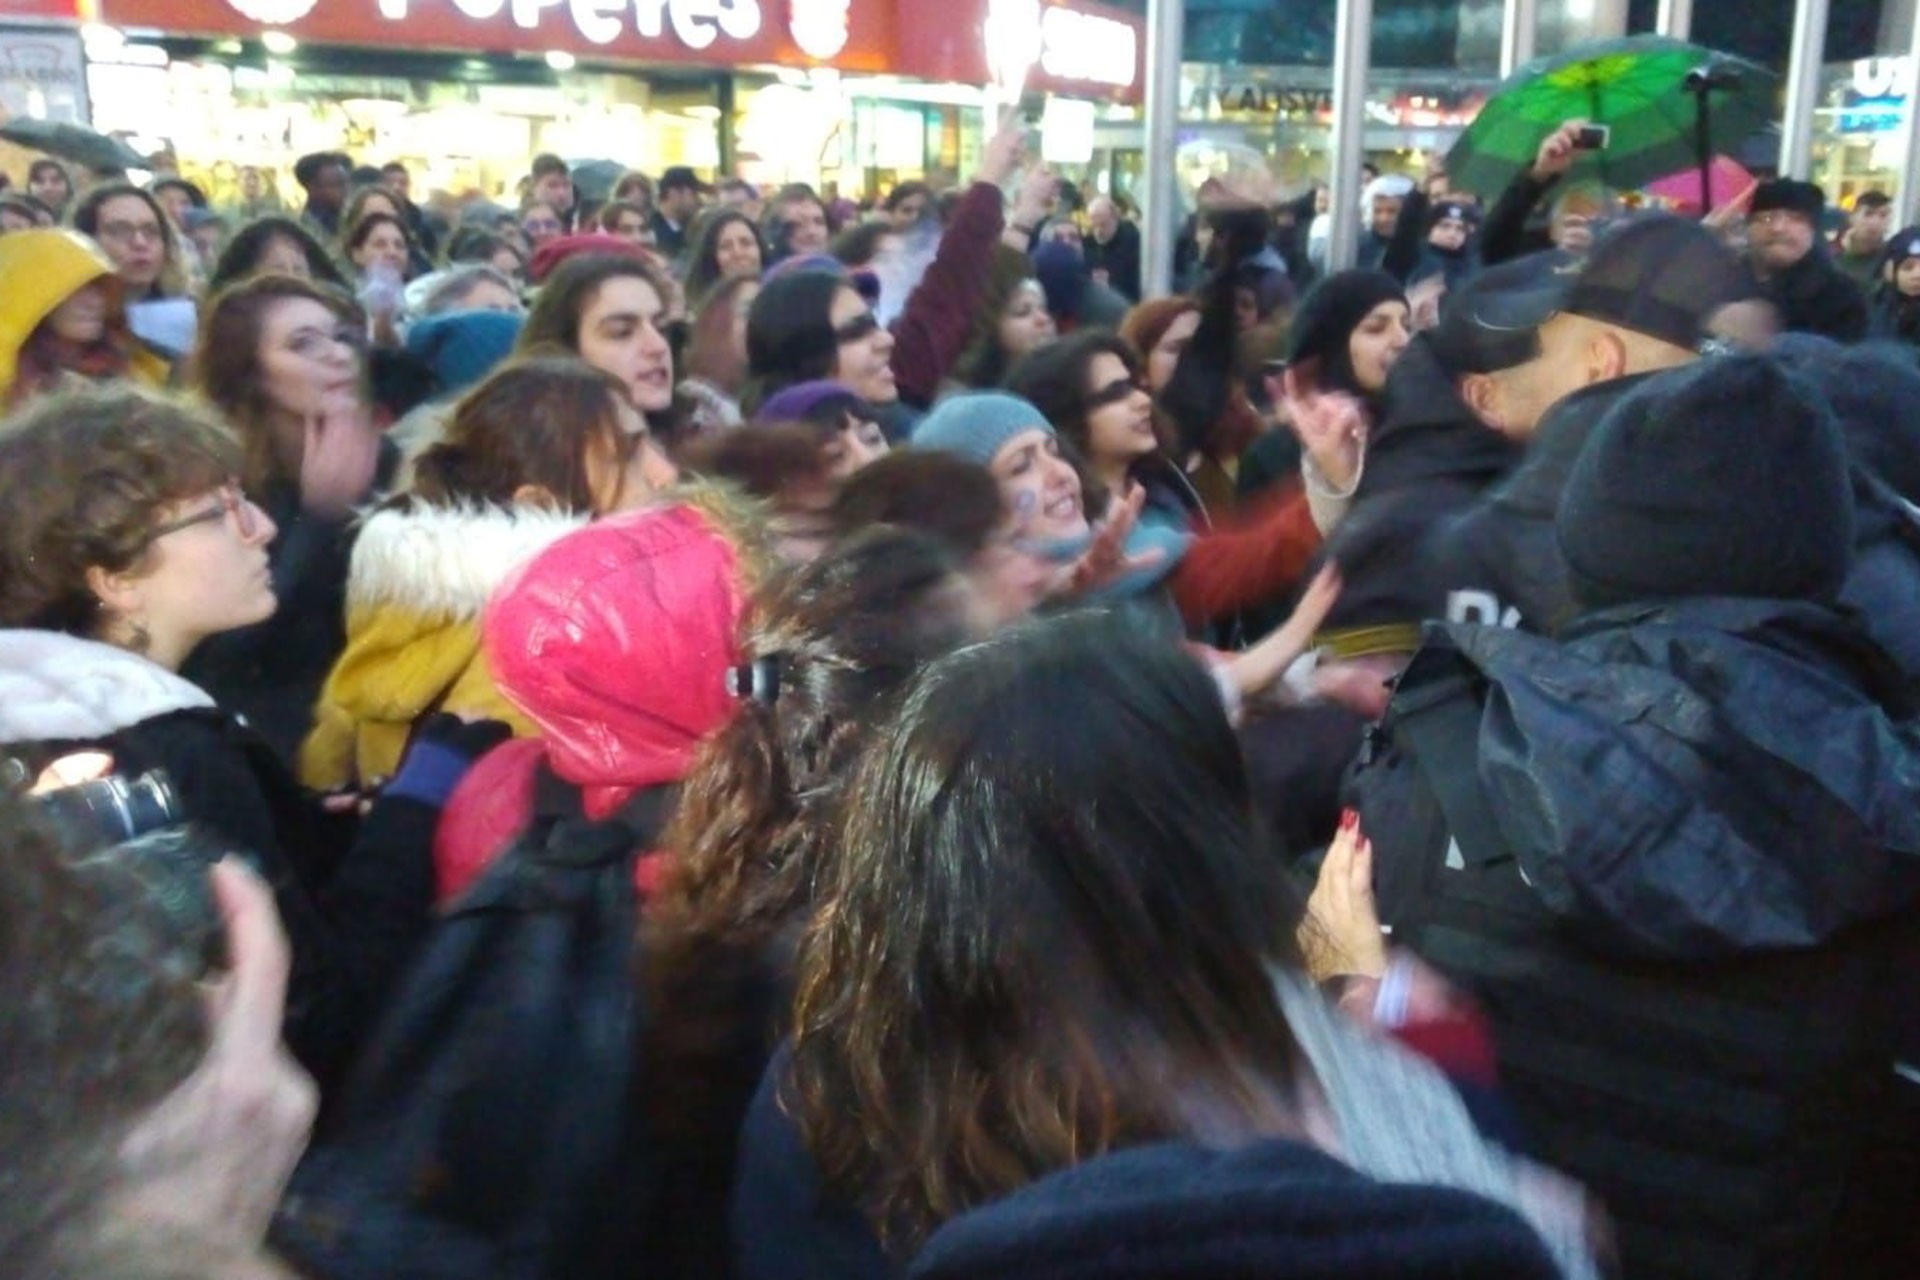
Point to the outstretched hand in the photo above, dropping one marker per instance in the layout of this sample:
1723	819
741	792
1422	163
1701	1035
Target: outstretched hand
1106	559
339	456
1331	427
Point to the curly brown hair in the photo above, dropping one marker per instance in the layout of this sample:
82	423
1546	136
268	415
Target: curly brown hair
227	369
84	476
1048	929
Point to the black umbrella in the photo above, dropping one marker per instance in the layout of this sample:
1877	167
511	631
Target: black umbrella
86	147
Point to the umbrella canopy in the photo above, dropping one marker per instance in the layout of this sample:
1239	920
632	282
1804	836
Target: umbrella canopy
86	147
1638	88
1727	178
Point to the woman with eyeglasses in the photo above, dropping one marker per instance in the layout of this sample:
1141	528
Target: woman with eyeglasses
151	257
127	541
283	361
539	223
62	318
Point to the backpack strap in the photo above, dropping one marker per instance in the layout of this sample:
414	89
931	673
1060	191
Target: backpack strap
1438	722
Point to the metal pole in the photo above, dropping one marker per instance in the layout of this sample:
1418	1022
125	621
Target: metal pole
1909	191
1161	206
1353	24
1675	19
1519	31
1803	88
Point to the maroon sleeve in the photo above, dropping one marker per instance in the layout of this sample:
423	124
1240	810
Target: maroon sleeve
933	330
1247	565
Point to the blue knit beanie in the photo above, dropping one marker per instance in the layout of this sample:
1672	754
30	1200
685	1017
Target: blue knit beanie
976	424
462	347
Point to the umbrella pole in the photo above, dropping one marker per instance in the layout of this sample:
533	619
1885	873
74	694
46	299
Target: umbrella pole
1703	146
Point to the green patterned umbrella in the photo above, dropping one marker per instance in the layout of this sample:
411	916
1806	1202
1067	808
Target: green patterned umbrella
1638	88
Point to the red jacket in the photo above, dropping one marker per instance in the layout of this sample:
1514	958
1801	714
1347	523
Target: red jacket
933	330
1260	556
616	641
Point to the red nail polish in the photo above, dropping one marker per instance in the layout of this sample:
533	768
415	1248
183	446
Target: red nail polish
1349	819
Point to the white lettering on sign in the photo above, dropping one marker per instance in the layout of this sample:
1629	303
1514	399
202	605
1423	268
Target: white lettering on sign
1085	46
1883	77
694	23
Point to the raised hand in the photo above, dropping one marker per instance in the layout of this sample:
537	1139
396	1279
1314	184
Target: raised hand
339	456
1106	559
1557	151
1340	935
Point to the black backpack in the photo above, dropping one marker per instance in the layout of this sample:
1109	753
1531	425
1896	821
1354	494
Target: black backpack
488	1130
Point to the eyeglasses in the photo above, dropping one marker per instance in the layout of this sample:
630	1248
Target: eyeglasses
864	325
536	226
308	342
1113	393
233	504
129	232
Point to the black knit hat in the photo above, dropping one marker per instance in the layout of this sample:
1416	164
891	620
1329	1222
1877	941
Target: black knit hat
1459	209
1874	391
1326	318
1267	1211
1902	245
1790	194
1492	322
1726	478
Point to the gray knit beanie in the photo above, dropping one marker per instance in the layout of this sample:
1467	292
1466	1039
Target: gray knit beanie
976	424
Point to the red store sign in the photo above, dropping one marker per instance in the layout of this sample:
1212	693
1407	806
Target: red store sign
855	35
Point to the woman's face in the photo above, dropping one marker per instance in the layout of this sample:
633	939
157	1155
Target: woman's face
1119	412
1040	488
1377	343
384	249
1906	277
632	225
737	250
540	224
131	234
1166	353
82	318
309	359
205	576
286	257
176	202
1010	580
1025	323
507	263
863	361
620	335
857	443
625	473
806	224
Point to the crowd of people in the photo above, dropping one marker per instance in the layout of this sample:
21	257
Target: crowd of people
708	732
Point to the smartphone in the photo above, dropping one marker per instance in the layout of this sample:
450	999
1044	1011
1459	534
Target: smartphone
1592	137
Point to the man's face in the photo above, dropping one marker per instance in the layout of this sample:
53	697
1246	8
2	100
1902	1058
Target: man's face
1103	218
1513	401
1869	225
1386	213
680	203
329	190
1449	234
397	181
555	190
1779	238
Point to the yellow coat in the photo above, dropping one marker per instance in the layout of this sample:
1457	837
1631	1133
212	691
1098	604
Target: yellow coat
419	581
39	270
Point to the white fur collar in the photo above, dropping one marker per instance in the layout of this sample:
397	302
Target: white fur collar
56	687
447	561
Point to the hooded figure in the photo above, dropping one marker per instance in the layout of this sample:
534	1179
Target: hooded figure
1670	855
1896	298
43	339
616	642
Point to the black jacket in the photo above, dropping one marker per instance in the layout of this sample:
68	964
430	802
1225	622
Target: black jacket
270	674
1500	562
1814	296
355	898
1428	459
1672	858
1896	317
1508	231
1119	258
1883	587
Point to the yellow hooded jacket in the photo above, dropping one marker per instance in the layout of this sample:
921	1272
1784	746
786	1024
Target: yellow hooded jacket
39	270
418	583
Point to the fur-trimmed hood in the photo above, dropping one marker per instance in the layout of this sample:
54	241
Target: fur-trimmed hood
59	688
444	562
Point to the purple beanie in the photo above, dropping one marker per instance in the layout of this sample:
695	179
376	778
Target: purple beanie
798	402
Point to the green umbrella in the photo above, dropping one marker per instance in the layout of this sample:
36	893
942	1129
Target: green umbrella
1645	89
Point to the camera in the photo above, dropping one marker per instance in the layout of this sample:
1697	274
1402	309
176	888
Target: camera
1592	137
114	809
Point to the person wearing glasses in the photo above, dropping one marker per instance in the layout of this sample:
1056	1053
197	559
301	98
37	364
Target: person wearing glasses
283	361
151	257
62	319
127	541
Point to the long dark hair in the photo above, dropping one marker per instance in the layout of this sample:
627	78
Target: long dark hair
554	321
243	253
790	334
1054	379
984	362
1040	945
703	270
839	637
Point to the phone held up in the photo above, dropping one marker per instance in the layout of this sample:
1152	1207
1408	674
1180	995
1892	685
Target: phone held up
1592	137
